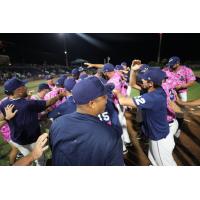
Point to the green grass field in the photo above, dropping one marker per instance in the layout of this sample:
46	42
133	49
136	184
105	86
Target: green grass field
194	93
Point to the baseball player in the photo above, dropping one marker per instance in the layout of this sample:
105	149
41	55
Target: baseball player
180	76
80	138
43	89
126	71
24	125
59	88
109	116
137	73
120	85
69	105
154	112
50	81
75	73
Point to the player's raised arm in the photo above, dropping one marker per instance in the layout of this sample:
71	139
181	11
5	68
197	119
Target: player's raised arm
89	65
54	99
132	81
189	103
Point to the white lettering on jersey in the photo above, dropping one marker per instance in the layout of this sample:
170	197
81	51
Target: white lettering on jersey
139	100
104	117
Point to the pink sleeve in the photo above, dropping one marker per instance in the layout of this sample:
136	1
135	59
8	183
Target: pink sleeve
189	75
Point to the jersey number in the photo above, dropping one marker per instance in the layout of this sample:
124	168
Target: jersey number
139	100
104	117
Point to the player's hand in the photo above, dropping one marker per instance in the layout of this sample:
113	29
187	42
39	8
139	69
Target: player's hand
40	146
31	92
116	93
136	62
61	94
178	100
9	112
135	67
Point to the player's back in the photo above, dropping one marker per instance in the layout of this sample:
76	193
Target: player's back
82	140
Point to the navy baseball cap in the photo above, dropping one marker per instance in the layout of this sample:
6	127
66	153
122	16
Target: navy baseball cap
108	67
43	86
48	77
12	84
173	60
143	68
156	75
83	76
124	63
75	71
63	76
69	83
89	89
119	67
60	81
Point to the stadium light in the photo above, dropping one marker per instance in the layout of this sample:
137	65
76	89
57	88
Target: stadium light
65	48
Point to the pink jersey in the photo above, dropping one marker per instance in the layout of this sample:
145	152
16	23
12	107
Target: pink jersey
119	83
182	76
52	87
5	129
54	93
170	92
35	97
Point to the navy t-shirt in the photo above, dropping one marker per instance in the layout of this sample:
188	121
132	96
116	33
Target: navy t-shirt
67	107
25	128
154	113
83	140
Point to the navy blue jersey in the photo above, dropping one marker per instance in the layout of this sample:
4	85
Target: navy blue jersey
154	113
67	107
110	116
82	140
25	128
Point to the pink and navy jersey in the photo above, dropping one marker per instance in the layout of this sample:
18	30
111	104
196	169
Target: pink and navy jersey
54	93
5	129
182	76
171	96
119	83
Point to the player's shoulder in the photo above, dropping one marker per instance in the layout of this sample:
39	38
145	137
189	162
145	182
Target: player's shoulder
185	68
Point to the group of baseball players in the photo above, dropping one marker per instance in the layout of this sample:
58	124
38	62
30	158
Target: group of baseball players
89	115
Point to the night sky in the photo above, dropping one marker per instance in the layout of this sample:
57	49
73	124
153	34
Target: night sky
49	47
